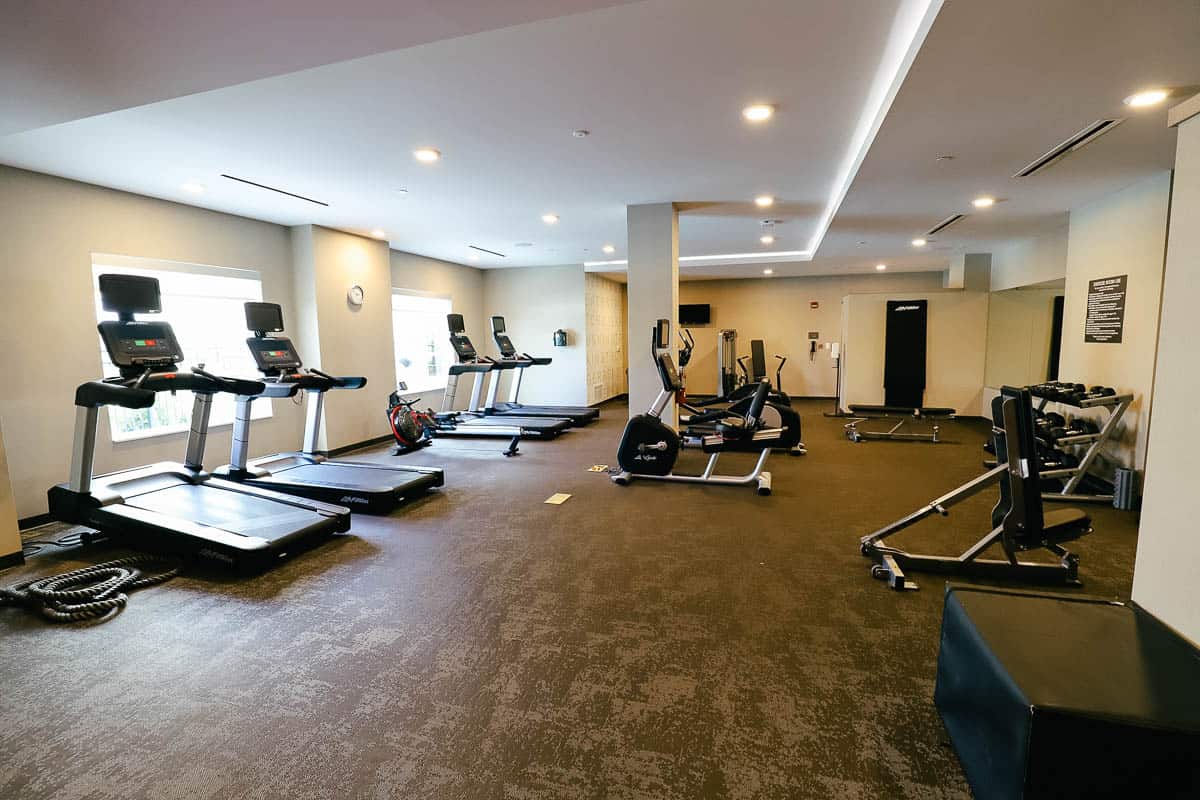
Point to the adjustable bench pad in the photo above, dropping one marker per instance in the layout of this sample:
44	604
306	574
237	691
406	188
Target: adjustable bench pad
1047	696
905	411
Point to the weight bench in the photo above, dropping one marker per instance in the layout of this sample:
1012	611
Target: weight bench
1018	521
903	415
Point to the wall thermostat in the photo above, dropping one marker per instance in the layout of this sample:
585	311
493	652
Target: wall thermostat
354	295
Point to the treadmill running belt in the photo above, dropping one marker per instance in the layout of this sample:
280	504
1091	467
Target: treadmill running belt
542	423
229	510
349	477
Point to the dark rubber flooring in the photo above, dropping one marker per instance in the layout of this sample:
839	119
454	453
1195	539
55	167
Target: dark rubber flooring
651	641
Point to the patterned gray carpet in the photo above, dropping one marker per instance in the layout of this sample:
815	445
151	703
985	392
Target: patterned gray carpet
654	641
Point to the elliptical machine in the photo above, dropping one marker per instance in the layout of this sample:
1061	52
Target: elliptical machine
650	447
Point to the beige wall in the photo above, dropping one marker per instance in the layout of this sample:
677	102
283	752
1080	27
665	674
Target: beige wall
354	340
1168	555
777	311
606	333
52	226
1020	324
535	302
1122	234
463	285
956	342
1030	261
10	537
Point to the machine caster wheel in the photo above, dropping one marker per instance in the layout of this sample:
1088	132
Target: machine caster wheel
764	490
878	572
621	480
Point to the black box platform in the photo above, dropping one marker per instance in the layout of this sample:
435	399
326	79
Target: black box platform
1052	696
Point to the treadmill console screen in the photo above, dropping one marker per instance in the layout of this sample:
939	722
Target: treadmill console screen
273	355
463	347
132	344
506	346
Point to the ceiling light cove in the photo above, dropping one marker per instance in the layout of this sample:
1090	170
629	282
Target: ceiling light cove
767	238
550	219
985	201
758	112
919	242
608	249
1147	98
379	234
427	155
473	257
193	187
764	201
722	258
880	267
768	271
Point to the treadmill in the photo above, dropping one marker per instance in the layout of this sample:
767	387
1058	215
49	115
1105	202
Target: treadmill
369	488
474	422
175	507
578	415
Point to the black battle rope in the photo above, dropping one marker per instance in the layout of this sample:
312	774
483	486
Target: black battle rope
97	592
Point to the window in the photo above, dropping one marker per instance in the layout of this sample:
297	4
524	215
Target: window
423	352
205	308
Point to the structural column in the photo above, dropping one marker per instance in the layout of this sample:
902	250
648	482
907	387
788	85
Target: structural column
653	293
1168	551
10	537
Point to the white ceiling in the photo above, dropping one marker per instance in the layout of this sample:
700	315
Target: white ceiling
64	59
660	85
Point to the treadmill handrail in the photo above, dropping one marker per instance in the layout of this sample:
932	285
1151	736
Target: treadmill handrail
95	394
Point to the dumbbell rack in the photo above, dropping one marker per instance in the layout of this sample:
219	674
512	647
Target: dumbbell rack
1116	405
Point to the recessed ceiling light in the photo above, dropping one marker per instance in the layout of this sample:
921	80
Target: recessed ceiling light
767	238
1148	97
549	219
473	257
764	201
427	155
608	248
881	267
759	112
580	133
984	202
919	242
193	187
768	271
402	190
378	234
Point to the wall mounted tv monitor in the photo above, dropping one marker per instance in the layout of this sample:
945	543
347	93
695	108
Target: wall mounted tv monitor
694	314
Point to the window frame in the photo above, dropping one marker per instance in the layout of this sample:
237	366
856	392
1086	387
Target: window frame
447	351
108	262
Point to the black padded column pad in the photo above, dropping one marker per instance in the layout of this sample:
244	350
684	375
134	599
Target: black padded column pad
1045	696
904	353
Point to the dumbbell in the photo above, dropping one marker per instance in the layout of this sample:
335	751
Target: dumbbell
1078	397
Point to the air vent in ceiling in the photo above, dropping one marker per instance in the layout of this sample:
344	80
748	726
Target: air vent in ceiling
946	223
273	189
1087	134
485	250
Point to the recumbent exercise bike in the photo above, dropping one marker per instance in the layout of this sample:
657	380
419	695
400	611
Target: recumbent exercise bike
650	447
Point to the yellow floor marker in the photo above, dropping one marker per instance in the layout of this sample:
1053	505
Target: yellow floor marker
557	499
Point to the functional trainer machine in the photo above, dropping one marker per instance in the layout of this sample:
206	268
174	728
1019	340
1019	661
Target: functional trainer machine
1018	520
578	415
173	507
371	488
649	447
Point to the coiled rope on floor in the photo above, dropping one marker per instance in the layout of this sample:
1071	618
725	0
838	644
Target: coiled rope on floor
90	593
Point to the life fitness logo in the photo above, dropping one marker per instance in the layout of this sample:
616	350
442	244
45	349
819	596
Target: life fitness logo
907	308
